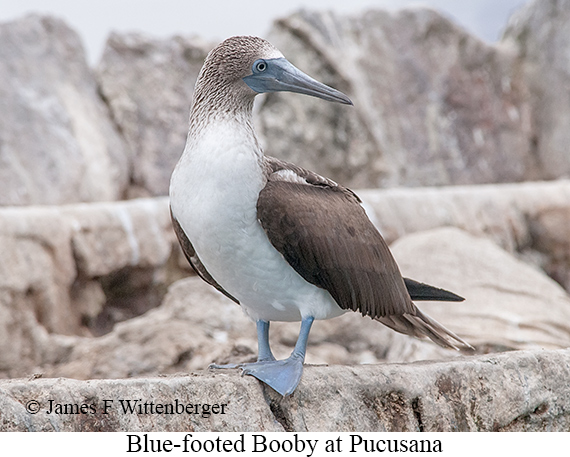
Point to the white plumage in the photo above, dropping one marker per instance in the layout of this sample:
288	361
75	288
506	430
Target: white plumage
214	191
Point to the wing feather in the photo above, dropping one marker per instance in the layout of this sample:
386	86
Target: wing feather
325	235
321	229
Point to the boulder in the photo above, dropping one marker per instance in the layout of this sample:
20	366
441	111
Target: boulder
148	85
540	32
196	325
527	219
433	105
75	270
515	391
57	142
509	304
69	274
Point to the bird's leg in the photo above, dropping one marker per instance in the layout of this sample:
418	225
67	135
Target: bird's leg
264	353
281	375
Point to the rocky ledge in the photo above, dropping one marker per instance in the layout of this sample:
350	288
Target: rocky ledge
517	391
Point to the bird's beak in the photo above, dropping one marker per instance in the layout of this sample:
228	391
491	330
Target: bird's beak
281	75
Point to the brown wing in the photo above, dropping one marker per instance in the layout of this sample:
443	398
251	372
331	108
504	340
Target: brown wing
325	235
323	232
193	259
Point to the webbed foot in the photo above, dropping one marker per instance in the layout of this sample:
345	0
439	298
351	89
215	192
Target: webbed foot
283	376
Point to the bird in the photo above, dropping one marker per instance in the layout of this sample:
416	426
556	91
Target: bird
283	242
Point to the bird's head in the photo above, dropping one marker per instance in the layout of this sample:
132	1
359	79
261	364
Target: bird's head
246	66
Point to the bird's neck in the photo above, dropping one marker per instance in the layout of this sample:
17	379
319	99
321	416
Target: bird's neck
217	102
221	124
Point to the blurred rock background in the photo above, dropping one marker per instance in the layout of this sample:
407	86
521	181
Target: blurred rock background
462	147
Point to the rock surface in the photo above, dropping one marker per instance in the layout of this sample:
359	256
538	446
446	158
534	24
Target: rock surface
541	34
433	105
516	391
148	85
57	142
70	273
530	219
509	304
70	270
500	313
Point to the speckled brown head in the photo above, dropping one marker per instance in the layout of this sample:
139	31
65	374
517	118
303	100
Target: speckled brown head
241	67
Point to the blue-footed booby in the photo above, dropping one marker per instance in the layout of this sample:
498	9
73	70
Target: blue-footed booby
283	242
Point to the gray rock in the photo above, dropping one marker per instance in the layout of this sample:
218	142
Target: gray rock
70	273
516	391
433	105
541	34
527	219
148	85
57	143
196	325
509	304
66	270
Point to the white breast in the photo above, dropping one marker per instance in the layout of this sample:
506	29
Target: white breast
214	191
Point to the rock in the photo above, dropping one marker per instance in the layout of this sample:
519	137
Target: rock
57	143
515	391
509	304
148	85
549	230
528	219
540	31
502	294
64	270
70	273
433	105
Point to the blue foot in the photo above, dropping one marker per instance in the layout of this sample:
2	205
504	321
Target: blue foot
283	376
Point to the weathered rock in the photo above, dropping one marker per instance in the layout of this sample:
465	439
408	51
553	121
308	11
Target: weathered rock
509	304
541	33
516	391
528	218
74	271
64	268
196	325
57	142
148	84
432	104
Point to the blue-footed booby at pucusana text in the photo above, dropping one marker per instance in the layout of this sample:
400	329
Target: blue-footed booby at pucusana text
283	242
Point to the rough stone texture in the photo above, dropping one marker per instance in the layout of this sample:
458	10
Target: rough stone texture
541	33
69	273
148	84
530	219
433	105
57	143
65	269
516	391
196	325
509	304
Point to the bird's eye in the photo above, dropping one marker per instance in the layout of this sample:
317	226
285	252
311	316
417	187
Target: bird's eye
260	66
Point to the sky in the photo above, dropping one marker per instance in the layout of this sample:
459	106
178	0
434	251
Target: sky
217	19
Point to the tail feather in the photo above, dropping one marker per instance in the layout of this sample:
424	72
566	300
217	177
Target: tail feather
420	291
421	326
